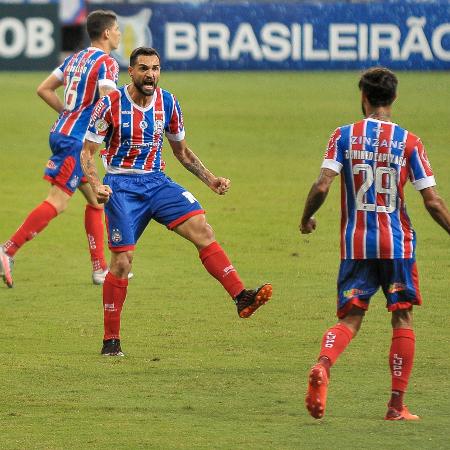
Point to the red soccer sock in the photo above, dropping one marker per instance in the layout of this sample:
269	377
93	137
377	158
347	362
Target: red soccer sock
93	224
114	294
334	342
36	221
219	266
401	358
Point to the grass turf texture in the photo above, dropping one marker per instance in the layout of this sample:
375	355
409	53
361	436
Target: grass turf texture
194	375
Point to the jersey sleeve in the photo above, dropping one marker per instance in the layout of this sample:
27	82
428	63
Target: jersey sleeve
100	121
333	158
175	127
59	71
108	74
420	171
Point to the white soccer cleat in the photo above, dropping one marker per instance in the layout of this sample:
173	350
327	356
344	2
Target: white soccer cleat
98	276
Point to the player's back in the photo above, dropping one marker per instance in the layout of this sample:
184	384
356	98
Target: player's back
82	74
376	159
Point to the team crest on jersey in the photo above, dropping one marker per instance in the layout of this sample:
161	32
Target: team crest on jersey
159	126
51	165
74	182
143	124
101	125
116	235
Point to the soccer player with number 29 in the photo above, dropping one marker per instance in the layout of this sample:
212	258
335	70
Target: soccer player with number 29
375	158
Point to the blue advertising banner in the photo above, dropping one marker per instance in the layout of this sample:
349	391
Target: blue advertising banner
291	36
29	37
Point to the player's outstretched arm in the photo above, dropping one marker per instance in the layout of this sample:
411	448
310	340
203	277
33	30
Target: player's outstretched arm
317	195
47	91
101	191
192	163
436	207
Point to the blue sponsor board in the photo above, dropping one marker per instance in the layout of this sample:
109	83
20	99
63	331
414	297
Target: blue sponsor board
29	37
291	36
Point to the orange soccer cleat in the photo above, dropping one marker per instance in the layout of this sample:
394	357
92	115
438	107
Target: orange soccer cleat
249	300
316	397
403	414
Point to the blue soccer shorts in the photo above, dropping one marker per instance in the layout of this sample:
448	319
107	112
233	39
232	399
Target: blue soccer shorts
136	199
64	167
359	279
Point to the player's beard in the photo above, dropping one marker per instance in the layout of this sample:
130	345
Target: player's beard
139	87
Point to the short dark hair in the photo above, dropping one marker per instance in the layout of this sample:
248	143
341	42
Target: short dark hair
379	85
98	21
147	51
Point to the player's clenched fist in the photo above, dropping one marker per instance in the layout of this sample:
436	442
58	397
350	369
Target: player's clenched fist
308	226
102	192
221	185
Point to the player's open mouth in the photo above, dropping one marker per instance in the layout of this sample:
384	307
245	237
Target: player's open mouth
149	83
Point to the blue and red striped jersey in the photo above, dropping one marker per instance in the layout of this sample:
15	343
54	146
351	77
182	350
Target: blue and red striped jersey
134	135
82	74
375	160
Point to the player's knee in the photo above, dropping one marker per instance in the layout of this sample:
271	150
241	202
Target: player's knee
60	206
121	264
353	319
402	318
208	232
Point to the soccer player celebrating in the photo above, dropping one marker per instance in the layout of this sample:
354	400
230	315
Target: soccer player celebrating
134	119
375	158
86	76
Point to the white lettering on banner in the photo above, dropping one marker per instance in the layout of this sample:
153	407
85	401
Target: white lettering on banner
340	42
42	43
279	42
276	45
181	41
416	41
384	36
34	37
245	42
363	42
213	35
18	37
309	54
436	41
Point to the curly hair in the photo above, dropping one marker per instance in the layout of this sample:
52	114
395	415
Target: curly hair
379	85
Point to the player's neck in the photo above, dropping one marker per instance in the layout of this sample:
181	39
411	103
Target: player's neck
383	114
102	45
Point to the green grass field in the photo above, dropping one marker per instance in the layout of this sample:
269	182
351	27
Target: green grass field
194	375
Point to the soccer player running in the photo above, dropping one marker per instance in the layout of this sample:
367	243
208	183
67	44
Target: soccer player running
133	120
375	158
86	76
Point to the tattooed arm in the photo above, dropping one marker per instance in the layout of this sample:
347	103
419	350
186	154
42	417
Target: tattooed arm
192	163
101	191
316	197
